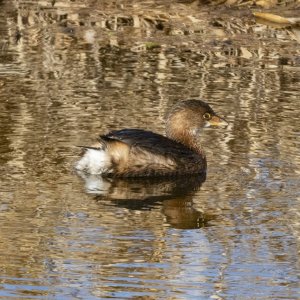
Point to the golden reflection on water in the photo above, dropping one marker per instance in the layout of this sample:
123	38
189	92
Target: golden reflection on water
69	73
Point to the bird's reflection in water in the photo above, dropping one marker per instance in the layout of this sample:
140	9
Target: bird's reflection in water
174	195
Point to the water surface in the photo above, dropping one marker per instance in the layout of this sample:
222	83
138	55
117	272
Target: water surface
71	71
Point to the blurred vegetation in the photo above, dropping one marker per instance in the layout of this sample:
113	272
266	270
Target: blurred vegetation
146	25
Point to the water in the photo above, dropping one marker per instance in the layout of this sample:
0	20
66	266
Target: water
69	73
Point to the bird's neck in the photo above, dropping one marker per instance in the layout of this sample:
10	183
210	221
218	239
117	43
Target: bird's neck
185	136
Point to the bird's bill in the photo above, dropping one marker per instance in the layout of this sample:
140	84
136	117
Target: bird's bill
216	121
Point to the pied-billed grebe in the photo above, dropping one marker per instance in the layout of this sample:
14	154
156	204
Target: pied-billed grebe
137	152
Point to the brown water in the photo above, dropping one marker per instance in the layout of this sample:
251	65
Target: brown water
71	71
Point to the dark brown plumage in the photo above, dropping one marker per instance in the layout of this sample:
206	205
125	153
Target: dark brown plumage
137	152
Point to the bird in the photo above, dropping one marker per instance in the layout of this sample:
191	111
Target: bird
141	153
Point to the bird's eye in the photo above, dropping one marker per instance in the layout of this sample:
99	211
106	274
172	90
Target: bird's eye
207	116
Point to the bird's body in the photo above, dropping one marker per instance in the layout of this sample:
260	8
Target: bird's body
138	153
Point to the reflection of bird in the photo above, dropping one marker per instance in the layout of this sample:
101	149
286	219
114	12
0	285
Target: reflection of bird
173	194
146	190
138	153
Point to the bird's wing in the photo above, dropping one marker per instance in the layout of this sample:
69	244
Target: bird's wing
149	141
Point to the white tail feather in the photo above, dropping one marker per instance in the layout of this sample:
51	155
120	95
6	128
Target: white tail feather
94	162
